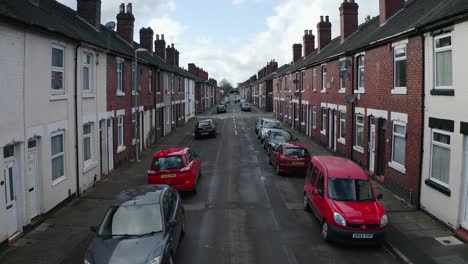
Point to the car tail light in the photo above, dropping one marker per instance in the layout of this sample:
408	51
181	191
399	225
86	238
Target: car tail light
151	172
185	169
196	129
213	126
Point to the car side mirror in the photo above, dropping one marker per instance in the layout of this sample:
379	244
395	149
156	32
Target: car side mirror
172	224
197	155
379	196
93	229
320	192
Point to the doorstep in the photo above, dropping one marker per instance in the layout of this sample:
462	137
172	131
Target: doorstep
462	234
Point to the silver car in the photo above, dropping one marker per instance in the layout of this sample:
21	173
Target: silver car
267	125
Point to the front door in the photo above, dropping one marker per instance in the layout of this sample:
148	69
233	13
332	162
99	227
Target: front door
381	147
110	144
372	145
33	180
464	222
331	129
10	196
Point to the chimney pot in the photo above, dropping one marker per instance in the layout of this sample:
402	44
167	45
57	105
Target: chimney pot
321	18
122	8
129	8
326	19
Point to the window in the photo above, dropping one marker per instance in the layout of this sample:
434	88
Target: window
171	83
8	151
57	70
343	74
57	156
324	119
440	157
314	117
313	177
120	73
314	79
400	67
324	77
134	126
87	143
443	61
87	73
360	72
399	143
359	131
303	81
320	185
120	131
342	125
150	81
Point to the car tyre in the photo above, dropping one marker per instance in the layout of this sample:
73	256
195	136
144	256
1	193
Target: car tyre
268	151
278	172
325	233
306	203
171	259
182	232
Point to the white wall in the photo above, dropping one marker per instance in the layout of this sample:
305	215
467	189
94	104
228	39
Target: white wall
446	208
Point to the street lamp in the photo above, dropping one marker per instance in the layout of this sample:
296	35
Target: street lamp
135	90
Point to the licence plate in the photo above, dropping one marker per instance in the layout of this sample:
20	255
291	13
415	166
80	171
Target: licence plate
172	175
204	133
298	163
366	236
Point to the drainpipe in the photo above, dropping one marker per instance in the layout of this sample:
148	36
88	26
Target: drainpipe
353	115
77	156
423	92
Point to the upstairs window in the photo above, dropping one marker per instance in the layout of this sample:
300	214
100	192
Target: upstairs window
120	73
303	80
314	79
57	68
342	75
360	72
87	73
443	61
324	78
399	54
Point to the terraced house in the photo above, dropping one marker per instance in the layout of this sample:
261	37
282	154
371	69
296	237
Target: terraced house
80	98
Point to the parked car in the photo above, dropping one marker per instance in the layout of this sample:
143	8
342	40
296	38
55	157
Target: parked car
343	199
290	158
241	102
221	109
238	99
258	124
179	168
144	225
205	127
274	137
245	106
267	125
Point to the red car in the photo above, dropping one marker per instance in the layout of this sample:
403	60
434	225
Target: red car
290	158
343	199
179	168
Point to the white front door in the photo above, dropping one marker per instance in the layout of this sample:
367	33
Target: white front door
464	222
330	128
372	148
110	144
335	126
33	180
10	196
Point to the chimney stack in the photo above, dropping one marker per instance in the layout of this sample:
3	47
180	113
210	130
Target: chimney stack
268	68
90	10
274	66
160	47
192	68
125	21
324	32
388	8
297	51
349	18
170	54
146	38
309	42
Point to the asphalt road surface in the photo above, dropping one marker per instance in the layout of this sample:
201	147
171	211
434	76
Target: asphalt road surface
245	213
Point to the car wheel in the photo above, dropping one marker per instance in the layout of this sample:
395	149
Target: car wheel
268	151
182	232
171	260
278	172
306	203
325	234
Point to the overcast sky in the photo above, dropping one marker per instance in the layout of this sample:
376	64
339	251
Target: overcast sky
232	39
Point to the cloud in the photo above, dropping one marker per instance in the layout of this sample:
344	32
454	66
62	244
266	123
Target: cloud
237	2
171	29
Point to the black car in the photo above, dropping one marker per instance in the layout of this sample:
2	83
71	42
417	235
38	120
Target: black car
144	225
205	128
221	109
275	137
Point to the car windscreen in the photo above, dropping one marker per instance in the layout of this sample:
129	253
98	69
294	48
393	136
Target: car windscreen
350	190
296	152
271	125
168	163
281	135
204	124
131	220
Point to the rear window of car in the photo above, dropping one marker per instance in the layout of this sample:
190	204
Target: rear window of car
296	152
280	135
204	124
271	125
168	163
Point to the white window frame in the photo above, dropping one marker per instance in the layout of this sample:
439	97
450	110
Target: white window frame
88	66
91	145
399	89
314	79
360	89
324	78
58	69
120	133
120	77
341	139
342	67
436	50
303	77
443	145
357	147
57	155
314	117
394	164
324	120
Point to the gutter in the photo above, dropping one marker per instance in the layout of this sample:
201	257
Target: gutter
77	156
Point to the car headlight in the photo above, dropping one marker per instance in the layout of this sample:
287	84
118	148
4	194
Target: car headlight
156	260
383	220
339	219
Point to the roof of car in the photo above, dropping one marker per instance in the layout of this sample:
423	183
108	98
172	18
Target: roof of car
143	194
171	152
338	167
293	145
271	120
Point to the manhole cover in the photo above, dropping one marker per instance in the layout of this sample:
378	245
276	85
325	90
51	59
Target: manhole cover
448	241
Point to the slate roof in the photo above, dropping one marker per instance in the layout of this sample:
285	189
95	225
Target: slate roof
53	16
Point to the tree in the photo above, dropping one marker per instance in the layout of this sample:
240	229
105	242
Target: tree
225	85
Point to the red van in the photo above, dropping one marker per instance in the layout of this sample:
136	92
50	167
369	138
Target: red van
343	199
179	168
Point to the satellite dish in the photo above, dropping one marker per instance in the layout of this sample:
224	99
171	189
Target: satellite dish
350	98
110	25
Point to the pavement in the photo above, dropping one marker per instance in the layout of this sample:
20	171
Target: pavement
412	236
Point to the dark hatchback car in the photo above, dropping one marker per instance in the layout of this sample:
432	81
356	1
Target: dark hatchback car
205	127
143	226
274	137
221	109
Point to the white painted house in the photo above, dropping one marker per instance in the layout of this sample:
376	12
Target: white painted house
189	99
444	186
